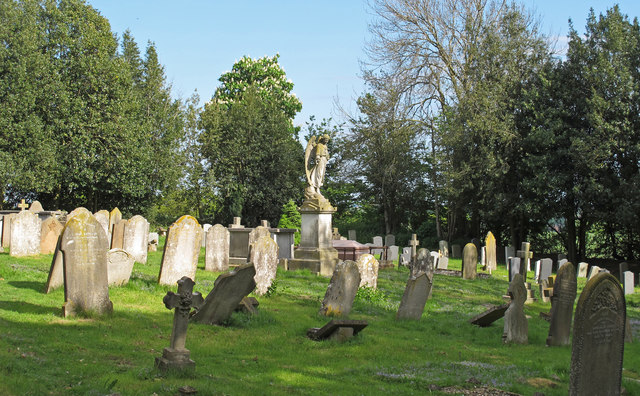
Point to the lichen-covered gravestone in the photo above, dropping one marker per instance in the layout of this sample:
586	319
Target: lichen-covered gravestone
25	235
264	257
49	234
598	338
423	264
516	328
217	249
443	248
564	295
119	265
181	251
114	218
368	267
6	229
136	238
342	290
469	261
418	289
490	252
228	291
583	268
84	245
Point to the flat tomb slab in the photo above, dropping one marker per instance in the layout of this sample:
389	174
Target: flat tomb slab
489	316
336	326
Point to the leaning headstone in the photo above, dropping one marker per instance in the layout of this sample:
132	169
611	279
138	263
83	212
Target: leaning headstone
415	297
49	234
513	264
176	357
469	261
516	328
565	287
342	290
456	251
368	267
117	235
36	207
338	330
264	257
217	249
228	291
598	338
352	235
490	252
423	263
628	282
389	240
25	235
119	267
489	316
103	218
443	248
136	238
583	269
181	251
84	245
546	268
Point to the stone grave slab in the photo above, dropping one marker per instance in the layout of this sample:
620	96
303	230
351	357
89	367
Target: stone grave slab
264	257
342	290
628	282
368	268
136	238
516	327
470	261
565	287
415	297
181	251
583	269
49	234
489	316
119	267
217	249
25	235
339	330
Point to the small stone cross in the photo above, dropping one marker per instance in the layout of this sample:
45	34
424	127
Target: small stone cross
182	302
23	205
264	223
414	245
524	255
236	221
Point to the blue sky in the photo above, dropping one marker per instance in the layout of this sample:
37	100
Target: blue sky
320	42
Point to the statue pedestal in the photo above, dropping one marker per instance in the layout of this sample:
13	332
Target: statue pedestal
315	251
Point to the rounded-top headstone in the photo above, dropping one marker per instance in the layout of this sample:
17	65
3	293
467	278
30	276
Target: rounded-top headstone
565	286
36	207
368	268
136	238
181	251
217	249
264	254
469	261
25	234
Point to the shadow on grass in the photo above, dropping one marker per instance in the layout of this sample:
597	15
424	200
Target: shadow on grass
37	286
28	308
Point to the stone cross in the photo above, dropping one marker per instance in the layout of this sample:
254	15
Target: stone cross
264	223
524	255
414	242
23	205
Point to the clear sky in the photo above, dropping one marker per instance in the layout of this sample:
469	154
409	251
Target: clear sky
320	42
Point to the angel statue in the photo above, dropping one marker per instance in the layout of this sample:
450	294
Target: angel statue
317	149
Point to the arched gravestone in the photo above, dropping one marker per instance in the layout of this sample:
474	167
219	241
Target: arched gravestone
103	218
217	249
25	234
516	327
136	238
368	267
256	234
114	218
564	295
469	261
49	234
342	290
490	252
119	264
84	245
181	251
598	338
264	257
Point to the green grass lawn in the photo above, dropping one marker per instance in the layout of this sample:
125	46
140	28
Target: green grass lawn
43	353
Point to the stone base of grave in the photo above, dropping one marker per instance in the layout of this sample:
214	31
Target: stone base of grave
315	252
320	261
175	360
531	294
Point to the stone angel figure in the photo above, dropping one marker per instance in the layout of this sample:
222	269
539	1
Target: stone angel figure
318	152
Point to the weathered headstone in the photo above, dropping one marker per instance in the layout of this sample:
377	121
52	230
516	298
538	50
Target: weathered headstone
352	235
119	266
525	255
389	240
256	234
136	238
628	282
565	287
181	251
546	268
583	269
368	267
25	235
469	261
114	218
456	251
49	234
6	229
205	230
154	238
228	291
342	290
443	263
423	263
84	245
415	297
392	253
117	234
217	249
513	264
103	218
264	257
490	251
36	207
177	357
443	248
595	270
516	328
598	338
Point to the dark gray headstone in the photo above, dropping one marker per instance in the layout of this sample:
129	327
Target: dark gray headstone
342	289
564	295
513	266
456	251
546	268
415	297
623	267
516	328
470	261
228	291
389	240
598	338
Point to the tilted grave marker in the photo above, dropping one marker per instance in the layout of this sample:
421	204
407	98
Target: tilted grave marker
565	286
342	290
516	327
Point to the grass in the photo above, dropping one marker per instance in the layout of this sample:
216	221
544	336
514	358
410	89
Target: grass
42	353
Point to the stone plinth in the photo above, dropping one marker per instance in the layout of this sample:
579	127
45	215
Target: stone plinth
315	252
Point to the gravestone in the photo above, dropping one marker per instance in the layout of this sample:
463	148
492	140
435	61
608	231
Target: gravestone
565	286
103	218
628	282
513	264
389	240
469	261
264	257
489	316
509	251
217	249
525	255
228	291
25	235
593	272
205	230
622	267
36	207
414	243
583	269
546	268
6	229
181	251
342	290
368	268
338	330
516	328
236	223
392	253
598	338
114	218
483	259
49	234
443	263
177	357
136	238
84	245
456	251
443	248
405	257
562	261
256	234
378	242
117	234
119	267
490	252
435	257
352	235
415	297
423	263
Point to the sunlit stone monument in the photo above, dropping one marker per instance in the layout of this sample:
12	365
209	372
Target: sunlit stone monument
315	251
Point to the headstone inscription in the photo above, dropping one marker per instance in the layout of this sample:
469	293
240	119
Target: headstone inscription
598	338
49	234
119	267
565	286
84	245
342	290
516	328
228	291
25	235
443	248
181	251
368	267
583	269
177	357
264	257
469	261
136	238
628	282
217	249
490	252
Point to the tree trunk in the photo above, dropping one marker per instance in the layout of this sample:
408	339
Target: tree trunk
571	237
